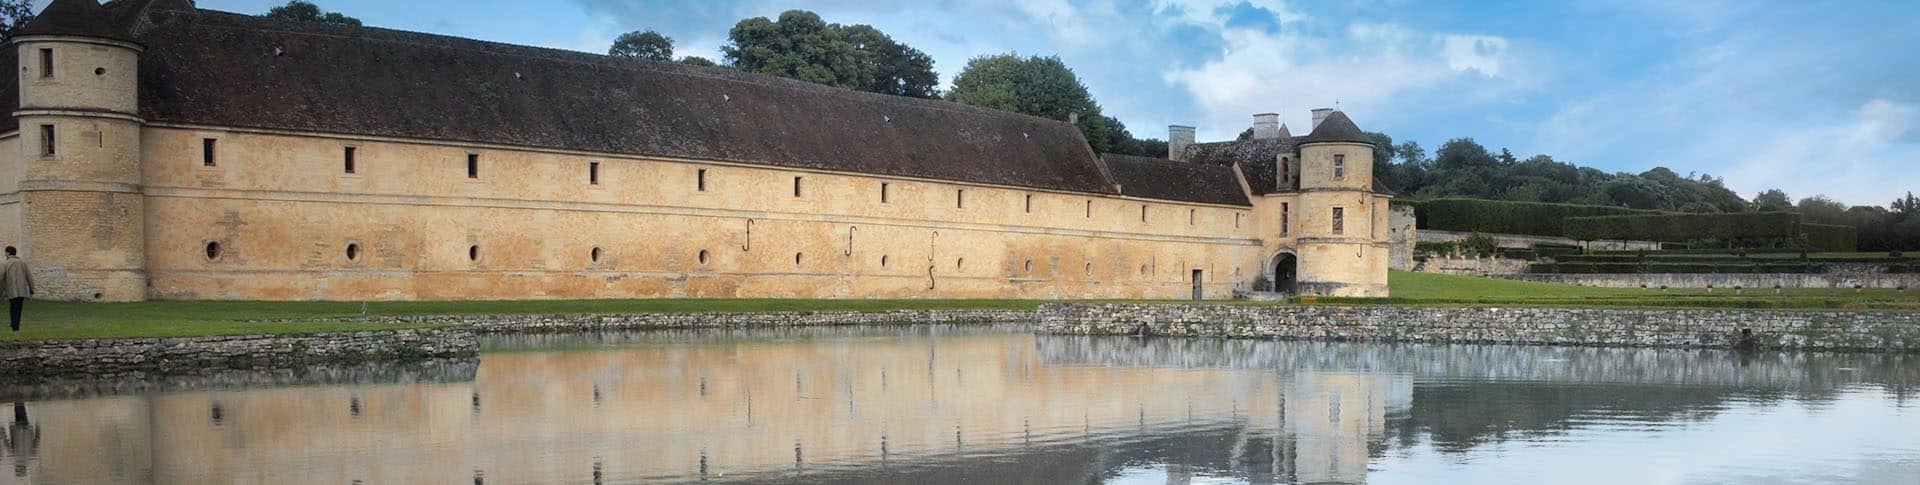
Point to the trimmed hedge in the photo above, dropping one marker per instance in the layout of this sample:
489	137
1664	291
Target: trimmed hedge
1686	227
1831	238
1505	217
1660	268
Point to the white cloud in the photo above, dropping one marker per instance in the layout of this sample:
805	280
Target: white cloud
1365	70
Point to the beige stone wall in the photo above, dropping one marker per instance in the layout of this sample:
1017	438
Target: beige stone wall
87	75
283	212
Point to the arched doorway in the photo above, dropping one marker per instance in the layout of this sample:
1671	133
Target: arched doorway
1284	272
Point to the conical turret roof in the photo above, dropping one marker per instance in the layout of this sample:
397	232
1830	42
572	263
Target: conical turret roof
83	18
1336	128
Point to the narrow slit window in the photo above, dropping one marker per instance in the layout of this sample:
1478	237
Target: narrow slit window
700	180
1089	208
1236	220
1190	217
207	146
1339	167
883	192
1029	203
1143	213
796	186
473	165
1283	170
347	160
960	199
1339	220
46	63
46	141
1286	217
593	173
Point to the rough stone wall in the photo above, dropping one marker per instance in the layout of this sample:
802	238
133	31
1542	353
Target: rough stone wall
40	359
1527	241
284	212
1880	331
1751	282
648	321
1475	266
1403	232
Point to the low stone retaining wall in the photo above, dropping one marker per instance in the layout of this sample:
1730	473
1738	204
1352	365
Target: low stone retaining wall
645	321
1751	281
44	361
1870	331
40	360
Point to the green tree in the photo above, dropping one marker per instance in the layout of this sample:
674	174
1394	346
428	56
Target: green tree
802	46
304	11
1121	141
1034	85
647	45
1821	210
1772	201
697	61
14	15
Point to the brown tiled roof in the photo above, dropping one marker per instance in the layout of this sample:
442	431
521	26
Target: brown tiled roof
1259	159
1336	128
1158	178
223	69
75	17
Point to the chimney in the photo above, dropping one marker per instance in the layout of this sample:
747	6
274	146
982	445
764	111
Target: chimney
1319	115
1178	137
1266	125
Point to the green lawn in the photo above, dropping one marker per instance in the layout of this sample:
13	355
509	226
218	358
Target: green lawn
1438	289
74	320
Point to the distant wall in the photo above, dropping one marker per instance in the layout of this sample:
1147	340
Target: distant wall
1526	241
1874	331
1726	280
1472	266
1403	232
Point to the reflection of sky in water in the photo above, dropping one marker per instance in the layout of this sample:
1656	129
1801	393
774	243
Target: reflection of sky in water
993	405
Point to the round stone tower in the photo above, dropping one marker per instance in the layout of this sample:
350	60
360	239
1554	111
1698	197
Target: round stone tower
82	212
1342	242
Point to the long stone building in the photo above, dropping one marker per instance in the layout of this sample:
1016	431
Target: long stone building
170	152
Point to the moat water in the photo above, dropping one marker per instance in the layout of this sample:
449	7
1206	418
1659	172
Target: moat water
939	404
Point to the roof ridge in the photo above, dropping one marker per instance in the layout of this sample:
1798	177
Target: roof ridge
600	60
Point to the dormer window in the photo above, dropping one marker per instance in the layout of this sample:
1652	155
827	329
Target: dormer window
1339	167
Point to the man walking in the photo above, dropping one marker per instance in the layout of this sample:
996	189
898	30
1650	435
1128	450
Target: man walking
16	283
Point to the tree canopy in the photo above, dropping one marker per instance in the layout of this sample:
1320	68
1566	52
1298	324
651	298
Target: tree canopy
1033	85
647	45
304	11
14	15
802	46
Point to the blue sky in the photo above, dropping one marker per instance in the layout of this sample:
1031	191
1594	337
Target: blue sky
1810	97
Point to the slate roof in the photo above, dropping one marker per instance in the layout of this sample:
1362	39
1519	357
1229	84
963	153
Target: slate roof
1336	128
1158	178
75	17
1259	159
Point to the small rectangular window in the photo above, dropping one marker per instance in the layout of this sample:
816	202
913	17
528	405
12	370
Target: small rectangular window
1190	217
473	165
960	199
1339	167
796	186
1339	221
346	157
593	173
883	192
1283	171
700	180
1143	213
206	151
46	140
46	63
1089	208
1285	217
1236	220
1029	203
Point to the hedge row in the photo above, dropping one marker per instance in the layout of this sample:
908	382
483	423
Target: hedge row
1655	268
1686	227
1722	259
1506	217
1829	237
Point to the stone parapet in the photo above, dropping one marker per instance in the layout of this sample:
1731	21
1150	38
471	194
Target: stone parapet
1868	331
650	321
40	360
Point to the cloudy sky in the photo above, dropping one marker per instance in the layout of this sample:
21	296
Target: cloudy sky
1810	97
